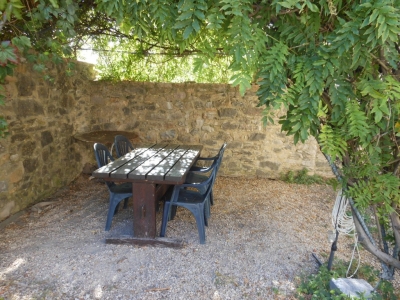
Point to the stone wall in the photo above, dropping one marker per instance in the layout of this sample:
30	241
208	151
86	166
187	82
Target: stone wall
206	114
40	155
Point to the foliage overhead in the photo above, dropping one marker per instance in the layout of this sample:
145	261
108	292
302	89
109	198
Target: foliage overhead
332	64
125	59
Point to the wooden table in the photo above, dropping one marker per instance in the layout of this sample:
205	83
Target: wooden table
152	169
105	137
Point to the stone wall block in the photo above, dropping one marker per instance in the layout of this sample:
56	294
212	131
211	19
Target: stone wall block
46	138
98	99
25	85
180	105
211	115
270	164
156	115
220	101
179	95
151	135
208	104
234	145
199	123
229	125
52	109
154	99
3	186
17	174
6	210
198	105
28	148
137	90
176	116
151	106
4	158
257	137
67	101
30	165
227	112
240	103
211	146
224	136
184	138
11	89
168	135
207	128
27	108
253	111
43	92
247	126
14	157
183	124
19	137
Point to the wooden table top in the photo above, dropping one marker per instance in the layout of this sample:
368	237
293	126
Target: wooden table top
157	163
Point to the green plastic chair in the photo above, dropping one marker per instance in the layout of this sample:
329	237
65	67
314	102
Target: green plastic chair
196	201
220	154
122	145
118	192
197	173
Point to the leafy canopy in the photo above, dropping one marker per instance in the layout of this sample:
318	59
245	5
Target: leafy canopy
333	65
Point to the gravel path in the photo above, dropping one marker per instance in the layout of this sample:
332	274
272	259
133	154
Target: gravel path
260	239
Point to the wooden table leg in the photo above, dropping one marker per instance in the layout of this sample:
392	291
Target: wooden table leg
145	196
144	210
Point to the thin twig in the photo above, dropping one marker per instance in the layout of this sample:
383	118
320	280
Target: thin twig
158	289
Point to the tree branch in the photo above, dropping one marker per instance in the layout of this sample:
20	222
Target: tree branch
394	217
327	101
381	63
363	239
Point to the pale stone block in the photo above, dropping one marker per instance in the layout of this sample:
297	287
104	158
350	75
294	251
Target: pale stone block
17	174
4	158
207	128
5	211
351	287
199	123
14	157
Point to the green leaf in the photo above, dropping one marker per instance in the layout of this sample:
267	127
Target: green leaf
39	67
374	15
378	116
22	42
288	4
312	6
296	127
196	25
199	14
8	54
71	9
187	32
182	24
54	3
186	15
198	64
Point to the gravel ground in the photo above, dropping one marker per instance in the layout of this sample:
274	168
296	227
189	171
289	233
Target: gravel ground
260	240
